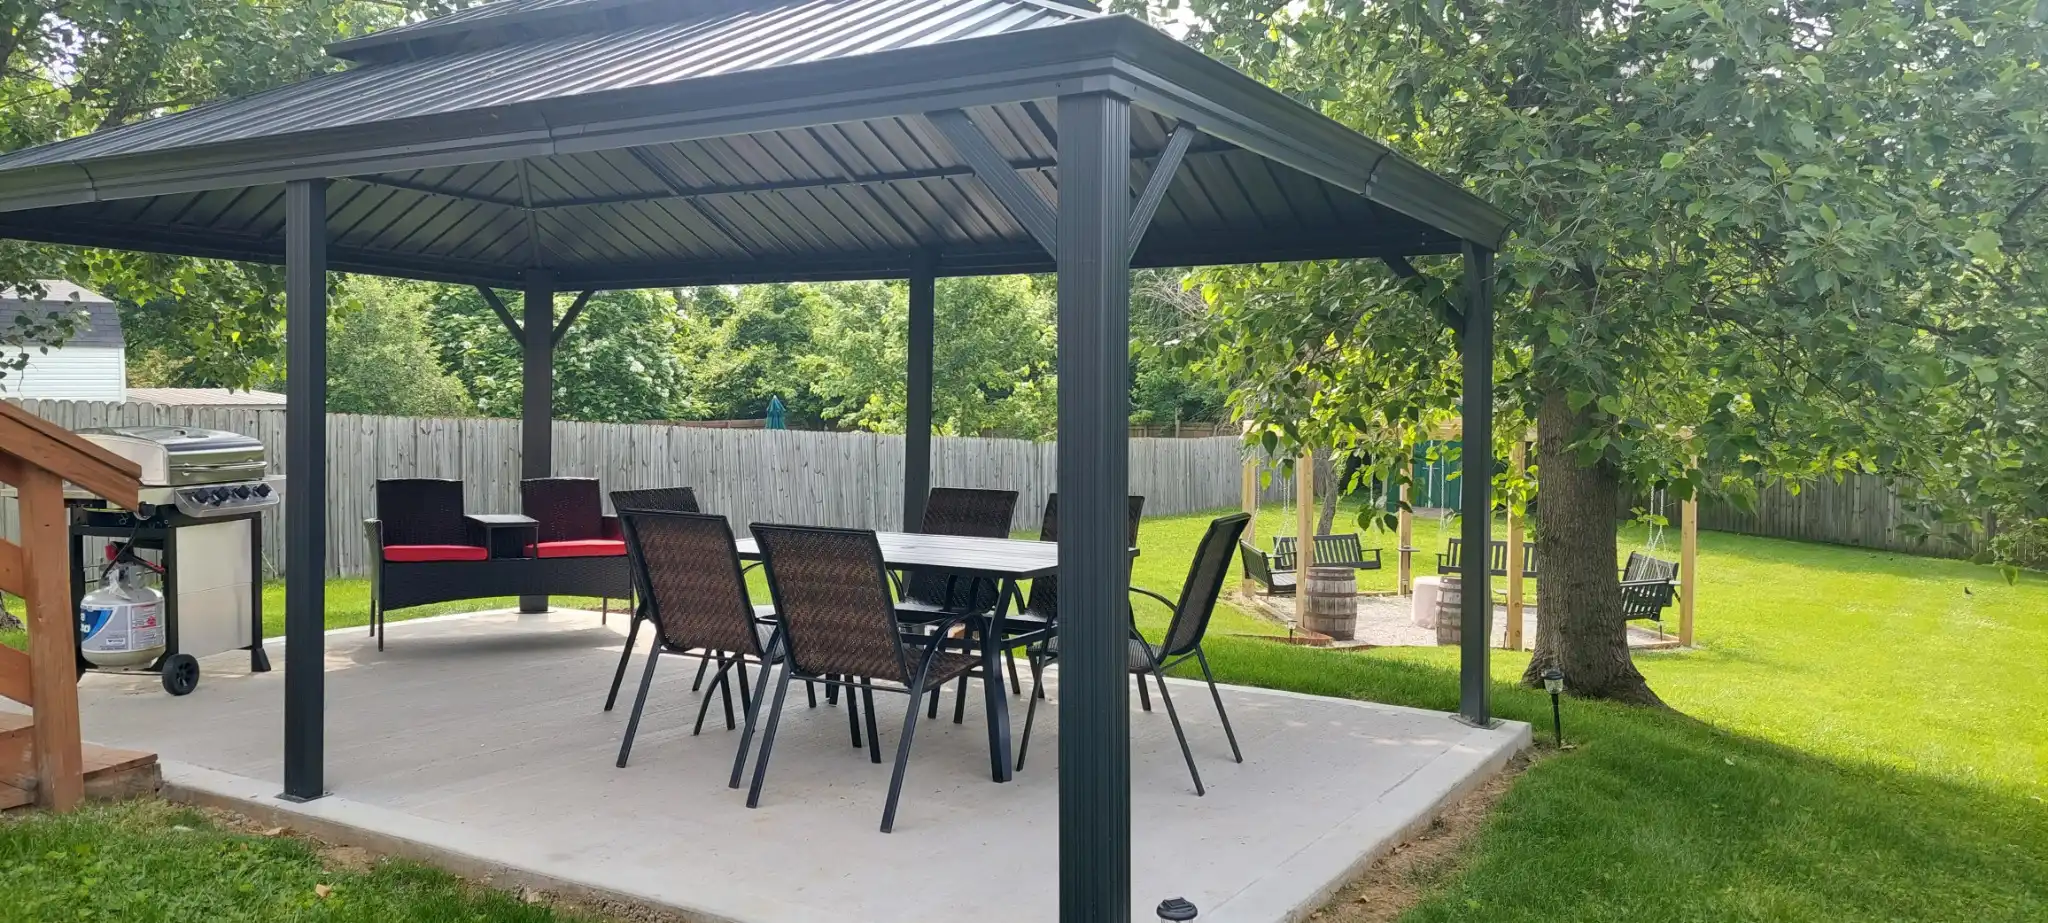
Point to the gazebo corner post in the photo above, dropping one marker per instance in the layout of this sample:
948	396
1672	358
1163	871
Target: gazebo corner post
1475	680
1091	254
305	568
917	427
537	394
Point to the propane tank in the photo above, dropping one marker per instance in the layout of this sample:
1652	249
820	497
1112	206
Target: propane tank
121	624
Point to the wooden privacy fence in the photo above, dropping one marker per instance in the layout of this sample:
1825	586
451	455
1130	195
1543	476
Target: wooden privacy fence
817	478
1862	510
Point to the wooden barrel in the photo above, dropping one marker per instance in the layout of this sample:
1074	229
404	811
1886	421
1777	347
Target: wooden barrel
1332	597
1449	612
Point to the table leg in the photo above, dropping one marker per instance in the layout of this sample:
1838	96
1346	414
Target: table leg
995	696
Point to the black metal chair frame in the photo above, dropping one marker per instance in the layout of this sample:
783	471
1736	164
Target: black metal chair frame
1158	659
920	678
763	654
664	500
1034	621
404	584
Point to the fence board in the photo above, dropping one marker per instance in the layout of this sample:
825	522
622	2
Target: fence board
844	479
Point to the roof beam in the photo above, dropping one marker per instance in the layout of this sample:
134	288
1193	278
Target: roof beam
504	316
429	189
569	319
1021	199
1156	186
679	190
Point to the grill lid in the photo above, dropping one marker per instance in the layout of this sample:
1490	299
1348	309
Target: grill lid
178	455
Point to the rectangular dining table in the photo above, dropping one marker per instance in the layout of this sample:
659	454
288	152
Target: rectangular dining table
1003	560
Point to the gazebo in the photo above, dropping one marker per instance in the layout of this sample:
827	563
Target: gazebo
582	145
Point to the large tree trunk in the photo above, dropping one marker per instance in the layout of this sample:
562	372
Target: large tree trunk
1579	628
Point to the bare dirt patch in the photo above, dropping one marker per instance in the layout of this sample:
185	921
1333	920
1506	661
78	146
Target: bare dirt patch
1397	881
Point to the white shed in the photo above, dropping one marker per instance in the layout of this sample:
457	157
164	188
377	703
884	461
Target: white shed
90	366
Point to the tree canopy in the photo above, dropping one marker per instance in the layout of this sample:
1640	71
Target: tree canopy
1757	240
72	66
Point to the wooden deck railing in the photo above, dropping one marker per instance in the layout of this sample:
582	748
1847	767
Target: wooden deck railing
45	760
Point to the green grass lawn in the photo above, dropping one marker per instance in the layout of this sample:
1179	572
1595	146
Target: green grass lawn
1857	738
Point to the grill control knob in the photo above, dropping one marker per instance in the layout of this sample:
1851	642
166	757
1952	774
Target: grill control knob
239	493
263	490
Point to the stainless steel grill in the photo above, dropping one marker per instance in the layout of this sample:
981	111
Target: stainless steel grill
203	473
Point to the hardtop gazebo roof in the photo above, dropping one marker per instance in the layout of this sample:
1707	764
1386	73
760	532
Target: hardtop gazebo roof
637	143
556	145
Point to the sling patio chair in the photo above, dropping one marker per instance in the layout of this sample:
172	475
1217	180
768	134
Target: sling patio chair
838	626
660	499
1182	642
935	594
688	574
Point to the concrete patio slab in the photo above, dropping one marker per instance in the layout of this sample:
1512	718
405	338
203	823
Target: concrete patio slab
479	742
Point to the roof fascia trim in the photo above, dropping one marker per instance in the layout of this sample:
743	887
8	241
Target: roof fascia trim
1176	81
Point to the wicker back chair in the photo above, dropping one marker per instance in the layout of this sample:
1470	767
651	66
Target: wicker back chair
421	511
1183	639
958	511
1044	602
661	499
831	593
672	499
568	509
687	572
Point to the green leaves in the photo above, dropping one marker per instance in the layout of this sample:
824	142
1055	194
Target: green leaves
1985	244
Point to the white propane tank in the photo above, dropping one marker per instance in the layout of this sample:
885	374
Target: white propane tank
121	624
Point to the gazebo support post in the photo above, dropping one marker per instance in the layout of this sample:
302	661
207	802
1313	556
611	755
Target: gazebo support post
305	557
1094	438
1475	678
1518	461
917	427
537	395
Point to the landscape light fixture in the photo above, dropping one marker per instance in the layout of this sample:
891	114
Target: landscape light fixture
1553	683
1176	910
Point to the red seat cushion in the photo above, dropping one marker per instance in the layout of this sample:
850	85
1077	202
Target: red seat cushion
578	548
418	553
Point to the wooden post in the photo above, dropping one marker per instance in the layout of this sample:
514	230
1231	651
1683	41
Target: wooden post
1688	568
1406	535
1249	496
1518	457
46	587
1304	529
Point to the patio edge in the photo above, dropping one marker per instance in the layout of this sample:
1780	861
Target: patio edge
385	832
1342	855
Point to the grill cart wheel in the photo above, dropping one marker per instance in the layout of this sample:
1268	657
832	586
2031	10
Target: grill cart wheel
181	674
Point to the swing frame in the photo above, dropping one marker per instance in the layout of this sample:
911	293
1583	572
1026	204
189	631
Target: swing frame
1518	459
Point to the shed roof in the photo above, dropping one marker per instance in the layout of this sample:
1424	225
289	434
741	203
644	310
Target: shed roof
625	143
101	324
205	397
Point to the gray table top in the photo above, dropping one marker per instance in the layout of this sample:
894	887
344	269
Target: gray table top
995	557
501	519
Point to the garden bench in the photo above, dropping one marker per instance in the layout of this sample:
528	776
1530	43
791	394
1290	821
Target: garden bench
1331	551
1259	566
1452	560
1647	587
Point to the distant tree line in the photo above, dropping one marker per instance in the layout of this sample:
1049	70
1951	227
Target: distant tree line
835	354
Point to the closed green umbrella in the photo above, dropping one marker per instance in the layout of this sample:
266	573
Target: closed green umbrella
777	414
